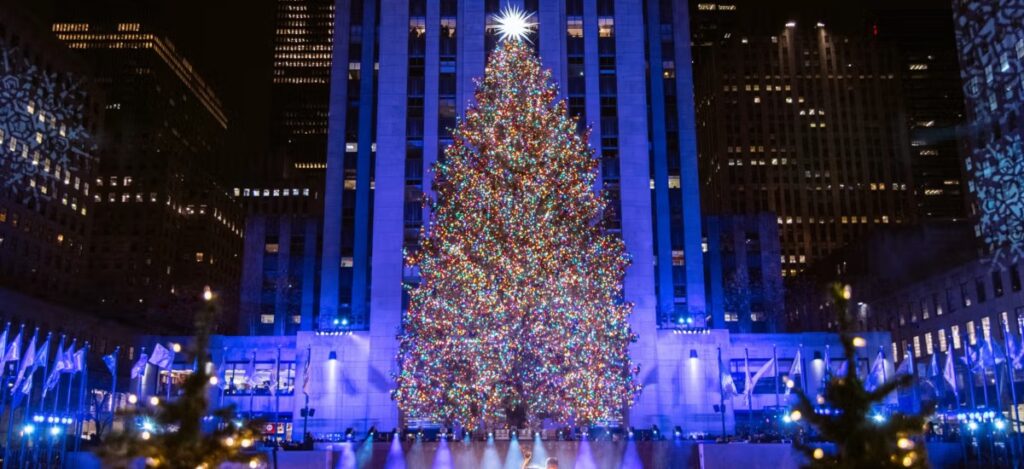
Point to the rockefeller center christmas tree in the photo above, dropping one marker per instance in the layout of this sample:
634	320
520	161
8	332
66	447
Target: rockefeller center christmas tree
518	315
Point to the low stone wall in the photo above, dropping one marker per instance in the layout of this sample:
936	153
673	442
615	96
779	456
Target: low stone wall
570	454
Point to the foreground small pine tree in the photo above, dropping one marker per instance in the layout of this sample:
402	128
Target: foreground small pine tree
860	441
178	439
519	314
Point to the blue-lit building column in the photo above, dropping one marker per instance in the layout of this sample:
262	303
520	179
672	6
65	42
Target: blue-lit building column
360	247
334	184
635	196
389	202
663	214
688	178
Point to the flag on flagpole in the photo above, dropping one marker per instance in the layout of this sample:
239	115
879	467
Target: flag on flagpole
904	368
933	367
728	385
949	372
140	366
841	371
250	371
795	369
56	370
40	360
752	382
13	352
877	374
305	372
111	362
79	359
3	346
161	357
69	357
28	361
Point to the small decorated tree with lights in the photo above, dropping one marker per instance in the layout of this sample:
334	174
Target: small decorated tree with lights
860	441
173	435
519	314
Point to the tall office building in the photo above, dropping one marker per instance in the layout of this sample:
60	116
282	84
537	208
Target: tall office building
50	116
836	118
164	226
991	45
303	40
392	105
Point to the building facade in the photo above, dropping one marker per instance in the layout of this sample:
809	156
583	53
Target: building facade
50	117
743	261
991	46
392	105
301	81
343	393
800	122
164	225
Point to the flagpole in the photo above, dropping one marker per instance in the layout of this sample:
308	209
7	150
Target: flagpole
775	365
252	384
721	391
970	372
31	390
67	409
916	405
113	385
10	418
803	370
142	375
80	425
56	397
222	374
749	392
1013	392
3	372
277	394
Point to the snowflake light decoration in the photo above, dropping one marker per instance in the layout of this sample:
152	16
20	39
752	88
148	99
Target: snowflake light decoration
998	185
514	23
43	140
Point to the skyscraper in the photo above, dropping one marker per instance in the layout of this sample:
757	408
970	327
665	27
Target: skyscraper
50	117
799	123
164	225
303	40
991	45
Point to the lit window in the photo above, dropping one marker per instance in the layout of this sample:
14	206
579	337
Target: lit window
731	317
199	257
986	328
271	248
267	318
296	319
917	347
972	336
673	182
942	340
955	332
928	343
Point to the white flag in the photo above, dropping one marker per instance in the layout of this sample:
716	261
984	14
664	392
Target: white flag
905	367
757	377
877	375
795	369
949	372
162	357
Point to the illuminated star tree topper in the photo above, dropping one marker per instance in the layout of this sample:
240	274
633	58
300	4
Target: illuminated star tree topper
514	23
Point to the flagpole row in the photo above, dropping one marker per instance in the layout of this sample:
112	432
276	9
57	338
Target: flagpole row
12	352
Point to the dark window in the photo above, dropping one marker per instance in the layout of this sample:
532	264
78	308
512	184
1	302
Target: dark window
1014	278
979	286
997	283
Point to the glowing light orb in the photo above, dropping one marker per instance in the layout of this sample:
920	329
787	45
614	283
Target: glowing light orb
514	24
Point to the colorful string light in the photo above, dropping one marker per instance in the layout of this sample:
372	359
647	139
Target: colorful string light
519	306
